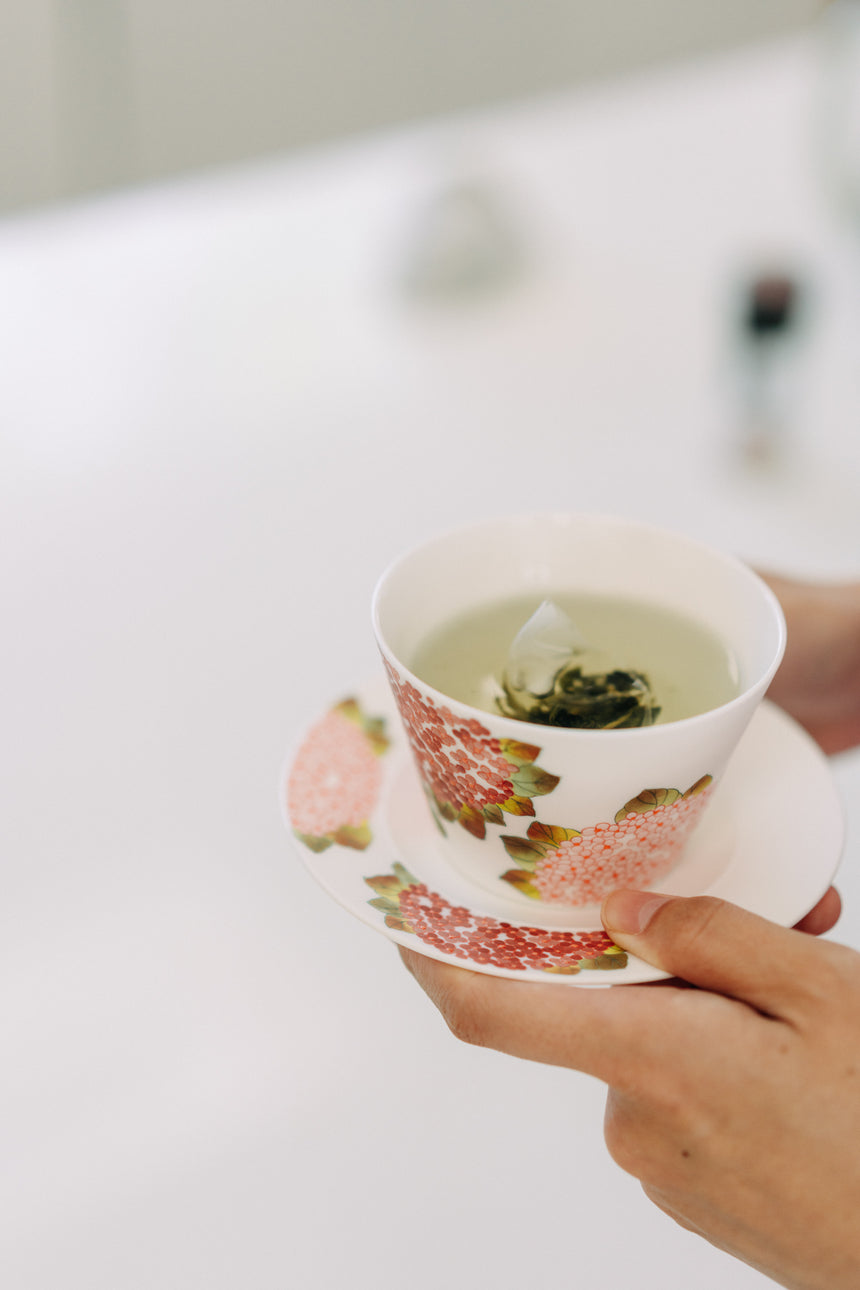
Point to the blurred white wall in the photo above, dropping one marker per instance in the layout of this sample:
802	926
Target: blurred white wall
96	93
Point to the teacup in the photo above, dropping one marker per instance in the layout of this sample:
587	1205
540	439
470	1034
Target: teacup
566	815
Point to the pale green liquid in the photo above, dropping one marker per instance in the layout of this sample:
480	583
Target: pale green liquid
689	668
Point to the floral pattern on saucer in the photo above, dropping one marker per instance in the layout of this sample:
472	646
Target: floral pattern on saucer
410	906
580	867
468	775
335	779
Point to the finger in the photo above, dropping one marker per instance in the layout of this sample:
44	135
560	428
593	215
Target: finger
717	946
824	916
613	1033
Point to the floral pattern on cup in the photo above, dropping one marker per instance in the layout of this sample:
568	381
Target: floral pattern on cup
409	906
469	776
641	845
335	779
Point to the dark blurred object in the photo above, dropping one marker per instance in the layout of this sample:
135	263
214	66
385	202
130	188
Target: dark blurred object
771	306
769	327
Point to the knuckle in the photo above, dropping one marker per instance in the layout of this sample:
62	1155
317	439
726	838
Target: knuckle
834	975
461	1011
695	918
624	1139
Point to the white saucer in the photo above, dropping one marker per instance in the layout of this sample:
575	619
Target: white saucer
772	845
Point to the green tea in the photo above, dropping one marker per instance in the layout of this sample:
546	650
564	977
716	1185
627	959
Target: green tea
632	664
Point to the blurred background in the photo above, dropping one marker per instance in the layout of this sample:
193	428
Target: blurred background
99	93
287	286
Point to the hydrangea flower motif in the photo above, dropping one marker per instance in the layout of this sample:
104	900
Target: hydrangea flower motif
335	779
640	846
409	906
469	776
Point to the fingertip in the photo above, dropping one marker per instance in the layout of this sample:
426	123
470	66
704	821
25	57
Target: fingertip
824	916
626	912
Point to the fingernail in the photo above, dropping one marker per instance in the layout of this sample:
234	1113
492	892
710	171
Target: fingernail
630	911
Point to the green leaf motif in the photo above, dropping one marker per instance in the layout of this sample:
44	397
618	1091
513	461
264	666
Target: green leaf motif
518	754
646	801
406	878
472	820
313	844
524	851
699	786
388	886
349	708
612	959
356	836
518	806
387	906
398	924
521	879
446	810
531	781
553	834
372	727
493	814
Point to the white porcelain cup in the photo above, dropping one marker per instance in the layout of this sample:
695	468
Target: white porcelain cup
566	815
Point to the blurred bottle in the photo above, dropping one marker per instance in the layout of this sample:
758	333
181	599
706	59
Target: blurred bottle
769	355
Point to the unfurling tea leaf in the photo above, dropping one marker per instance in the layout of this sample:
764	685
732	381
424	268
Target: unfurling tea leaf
585	701
544	682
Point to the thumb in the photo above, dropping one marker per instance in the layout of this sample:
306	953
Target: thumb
715	945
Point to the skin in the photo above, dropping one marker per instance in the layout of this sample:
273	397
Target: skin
737	1102
819	680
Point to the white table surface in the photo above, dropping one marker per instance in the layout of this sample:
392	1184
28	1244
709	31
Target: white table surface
220	417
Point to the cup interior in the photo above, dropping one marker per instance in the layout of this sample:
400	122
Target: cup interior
542	554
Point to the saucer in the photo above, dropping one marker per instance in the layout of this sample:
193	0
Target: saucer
352	801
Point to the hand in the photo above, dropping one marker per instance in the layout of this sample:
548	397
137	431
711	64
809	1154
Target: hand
819	680
737	1104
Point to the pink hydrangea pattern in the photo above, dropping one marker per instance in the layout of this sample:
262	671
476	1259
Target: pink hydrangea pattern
409	906
335	779
639	847
469	776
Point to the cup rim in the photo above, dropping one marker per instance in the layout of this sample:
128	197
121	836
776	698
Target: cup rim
513	727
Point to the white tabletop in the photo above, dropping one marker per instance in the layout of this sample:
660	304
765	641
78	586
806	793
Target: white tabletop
221	414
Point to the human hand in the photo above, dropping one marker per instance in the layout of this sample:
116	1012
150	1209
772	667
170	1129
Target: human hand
737	1104
818	682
